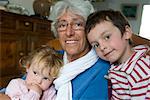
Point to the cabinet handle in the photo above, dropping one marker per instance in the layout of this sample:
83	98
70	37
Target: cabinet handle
27	23
21	53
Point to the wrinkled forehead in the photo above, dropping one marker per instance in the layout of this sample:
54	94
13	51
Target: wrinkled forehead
69	16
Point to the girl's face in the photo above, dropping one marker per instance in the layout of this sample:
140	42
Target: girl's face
108	42
71	34
35	76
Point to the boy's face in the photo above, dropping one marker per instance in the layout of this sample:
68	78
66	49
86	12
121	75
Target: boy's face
108	42
35	76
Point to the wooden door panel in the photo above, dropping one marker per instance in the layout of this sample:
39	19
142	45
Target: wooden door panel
10	48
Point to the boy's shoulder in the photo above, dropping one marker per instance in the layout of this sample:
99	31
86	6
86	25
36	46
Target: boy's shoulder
140	66
139	61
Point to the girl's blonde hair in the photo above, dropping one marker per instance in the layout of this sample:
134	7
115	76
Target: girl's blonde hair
45	57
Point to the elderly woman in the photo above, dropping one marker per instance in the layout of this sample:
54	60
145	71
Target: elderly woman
82	76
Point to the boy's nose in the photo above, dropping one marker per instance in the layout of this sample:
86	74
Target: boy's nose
102	45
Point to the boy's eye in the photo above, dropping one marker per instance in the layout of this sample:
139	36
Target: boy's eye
95	45
107	37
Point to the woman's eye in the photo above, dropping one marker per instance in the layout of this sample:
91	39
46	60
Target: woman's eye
79	24
61	25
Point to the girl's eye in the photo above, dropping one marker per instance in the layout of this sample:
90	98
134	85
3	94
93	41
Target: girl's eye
45	78
95	45
35	72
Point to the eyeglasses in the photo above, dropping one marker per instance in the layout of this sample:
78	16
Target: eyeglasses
95	45
75	25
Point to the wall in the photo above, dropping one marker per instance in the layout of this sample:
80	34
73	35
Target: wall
116	5
25	3
106	4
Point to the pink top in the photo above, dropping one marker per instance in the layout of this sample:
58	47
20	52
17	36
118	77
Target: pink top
17	90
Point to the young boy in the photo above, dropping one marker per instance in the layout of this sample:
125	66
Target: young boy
110	34
42	66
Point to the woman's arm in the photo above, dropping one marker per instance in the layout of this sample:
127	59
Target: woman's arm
4	97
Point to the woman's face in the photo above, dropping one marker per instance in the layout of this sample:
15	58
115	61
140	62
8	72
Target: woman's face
71	34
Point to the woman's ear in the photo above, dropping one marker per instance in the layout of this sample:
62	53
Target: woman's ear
128	32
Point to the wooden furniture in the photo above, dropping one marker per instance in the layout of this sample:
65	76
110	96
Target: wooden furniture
138	40
19	35
54	44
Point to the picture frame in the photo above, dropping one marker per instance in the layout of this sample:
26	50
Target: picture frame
130	10
3	2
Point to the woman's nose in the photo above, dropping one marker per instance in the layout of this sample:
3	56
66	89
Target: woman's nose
69	30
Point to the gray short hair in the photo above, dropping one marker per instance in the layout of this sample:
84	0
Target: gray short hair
80	7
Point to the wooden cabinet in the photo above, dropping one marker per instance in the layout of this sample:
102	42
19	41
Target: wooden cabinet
19	35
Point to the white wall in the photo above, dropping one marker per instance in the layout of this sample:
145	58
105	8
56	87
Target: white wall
25	3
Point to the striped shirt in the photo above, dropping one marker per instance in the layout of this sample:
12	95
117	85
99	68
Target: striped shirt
131	80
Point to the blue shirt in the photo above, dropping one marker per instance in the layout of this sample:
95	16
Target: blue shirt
91	84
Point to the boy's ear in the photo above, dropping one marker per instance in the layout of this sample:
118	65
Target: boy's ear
128	32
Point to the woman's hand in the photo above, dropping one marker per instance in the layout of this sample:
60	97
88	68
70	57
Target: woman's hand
4	97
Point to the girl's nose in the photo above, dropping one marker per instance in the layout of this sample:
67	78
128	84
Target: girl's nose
39	80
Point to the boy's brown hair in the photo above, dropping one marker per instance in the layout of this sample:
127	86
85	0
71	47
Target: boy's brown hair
116	17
